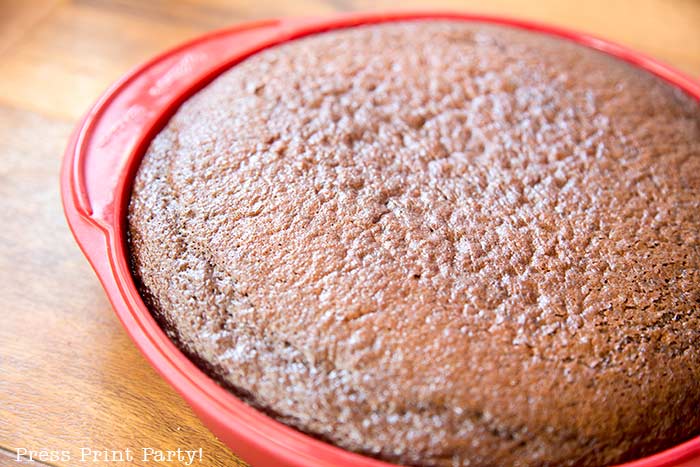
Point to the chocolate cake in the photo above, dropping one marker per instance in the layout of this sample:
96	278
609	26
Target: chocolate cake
437	243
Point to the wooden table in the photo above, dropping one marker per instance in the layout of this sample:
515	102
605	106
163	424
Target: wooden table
69	375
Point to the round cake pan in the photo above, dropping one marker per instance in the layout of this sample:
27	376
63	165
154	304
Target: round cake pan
101	160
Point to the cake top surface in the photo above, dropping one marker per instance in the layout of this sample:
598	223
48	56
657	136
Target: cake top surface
437	243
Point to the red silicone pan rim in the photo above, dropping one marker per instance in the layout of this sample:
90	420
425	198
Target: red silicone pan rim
99	165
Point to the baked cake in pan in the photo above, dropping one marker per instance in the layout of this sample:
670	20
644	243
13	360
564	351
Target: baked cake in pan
436	243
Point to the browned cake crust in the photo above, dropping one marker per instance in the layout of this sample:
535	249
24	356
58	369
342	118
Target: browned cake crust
436	243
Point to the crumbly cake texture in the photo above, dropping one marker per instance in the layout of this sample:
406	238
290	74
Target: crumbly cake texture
436	243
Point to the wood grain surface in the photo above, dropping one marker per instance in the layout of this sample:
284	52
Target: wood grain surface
69	375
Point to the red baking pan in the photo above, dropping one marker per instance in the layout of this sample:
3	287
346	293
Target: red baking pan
100	163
